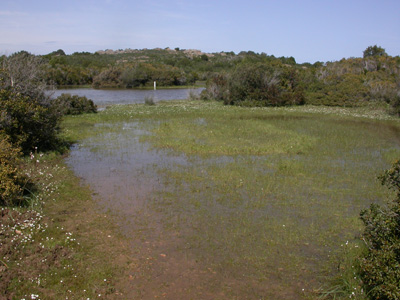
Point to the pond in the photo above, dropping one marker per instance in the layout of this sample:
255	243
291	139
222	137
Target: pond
127	96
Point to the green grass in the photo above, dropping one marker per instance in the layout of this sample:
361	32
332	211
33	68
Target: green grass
53	253
269	198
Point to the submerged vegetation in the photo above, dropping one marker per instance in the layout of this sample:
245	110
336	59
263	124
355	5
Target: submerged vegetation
266	198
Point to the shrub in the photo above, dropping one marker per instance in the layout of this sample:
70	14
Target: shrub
68	104
380	265
354	81
24	73
217	88
264	85
374	51
339	90
12	182
258	84
395	105
28	122
108	78
193	95
149	100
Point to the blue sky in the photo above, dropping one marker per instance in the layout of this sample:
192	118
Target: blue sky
308	30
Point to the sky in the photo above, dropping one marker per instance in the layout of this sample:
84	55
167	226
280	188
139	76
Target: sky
308	30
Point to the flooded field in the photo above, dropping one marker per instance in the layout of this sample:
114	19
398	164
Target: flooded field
232	203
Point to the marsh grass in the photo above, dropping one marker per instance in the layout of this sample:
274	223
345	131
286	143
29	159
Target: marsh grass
268	198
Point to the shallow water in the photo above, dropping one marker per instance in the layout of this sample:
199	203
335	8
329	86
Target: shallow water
122	170
236	224
128	179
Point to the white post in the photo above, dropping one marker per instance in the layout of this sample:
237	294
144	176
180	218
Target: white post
155	85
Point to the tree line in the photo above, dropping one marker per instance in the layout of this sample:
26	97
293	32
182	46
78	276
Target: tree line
139	68
374	78
246	78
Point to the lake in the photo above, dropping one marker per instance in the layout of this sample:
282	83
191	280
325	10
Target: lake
127	96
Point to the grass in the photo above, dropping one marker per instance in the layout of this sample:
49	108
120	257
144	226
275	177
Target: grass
48	250
267	198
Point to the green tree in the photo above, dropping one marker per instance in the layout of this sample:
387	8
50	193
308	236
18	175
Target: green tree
137	75
204	57
374	51
59	52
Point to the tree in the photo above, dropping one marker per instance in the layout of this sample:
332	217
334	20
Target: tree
59	52
24	73
374	51
136	76
204	57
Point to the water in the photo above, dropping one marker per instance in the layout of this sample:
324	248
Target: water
108	97
120	169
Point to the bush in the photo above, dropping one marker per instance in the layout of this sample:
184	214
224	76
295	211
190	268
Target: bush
27	122
68	104
193	95
395	105
12	182
217	88
344	90
109	78
258	84
149	100
380	266
264	85
353	82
